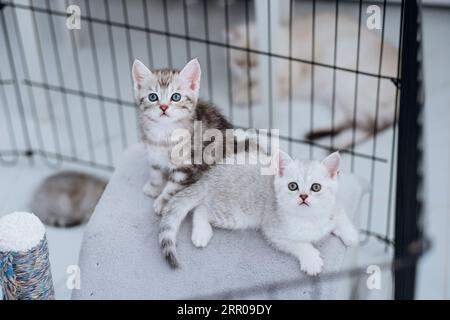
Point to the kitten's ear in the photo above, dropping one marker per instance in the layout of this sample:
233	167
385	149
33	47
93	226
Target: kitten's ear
139	72
283	160
192	72
332	163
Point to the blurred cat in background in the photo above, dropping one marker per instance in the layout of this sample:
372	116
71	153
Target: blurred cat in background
67	198
244	64
294	209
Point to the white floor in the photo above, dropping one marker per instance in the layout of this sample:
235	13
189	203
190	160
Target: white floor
17	182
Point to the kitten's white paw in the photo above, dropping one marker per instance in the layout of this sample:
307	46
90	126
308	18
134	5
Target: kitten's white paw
150	190
158	205
349	236
311	263
201	235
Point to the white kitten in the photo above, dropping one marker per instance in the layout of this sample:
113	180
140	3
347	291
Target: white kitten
294	209
307	209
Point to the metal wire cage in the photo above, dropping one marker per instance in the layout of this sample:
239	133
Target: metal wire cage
66	92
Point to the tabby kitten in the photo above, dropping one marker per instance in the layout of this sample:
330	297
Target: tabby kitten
67	198
168	100
294	209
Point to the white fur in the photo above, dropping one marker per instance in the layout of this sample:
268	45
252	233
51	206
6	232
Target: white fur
170	188
179	176
201	228
301	73
304	222
239	197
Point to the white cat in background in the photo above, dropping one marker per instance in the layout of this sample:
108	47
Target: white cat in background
294	208
343	93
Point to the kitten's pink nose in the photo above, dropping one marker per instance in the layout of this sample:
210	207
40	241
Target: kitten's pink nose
304	196
163	107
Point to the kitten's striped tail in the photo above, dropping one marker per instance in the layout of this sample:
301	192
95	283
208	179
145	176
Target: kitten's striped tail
173	215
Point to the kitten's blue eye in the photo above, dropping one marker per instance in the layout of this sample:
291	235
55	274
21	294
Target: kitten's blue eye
176	97
153	97
316	187
292	186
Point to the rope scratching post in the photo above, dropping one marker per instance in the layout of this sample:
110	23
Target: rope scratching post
24	260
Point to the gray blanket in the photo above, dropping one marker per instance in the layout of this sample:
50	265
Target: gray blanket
120	257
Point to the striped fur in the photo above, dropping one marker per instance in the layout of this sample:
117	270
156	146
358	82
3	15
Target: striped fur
173	215
167	177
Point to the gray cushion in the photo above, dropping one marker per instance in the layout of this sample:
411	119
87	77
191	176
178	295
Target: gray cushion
120	257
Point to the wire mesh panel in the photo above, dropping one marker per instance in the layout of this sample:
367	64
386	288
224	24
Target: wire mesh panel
326	73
